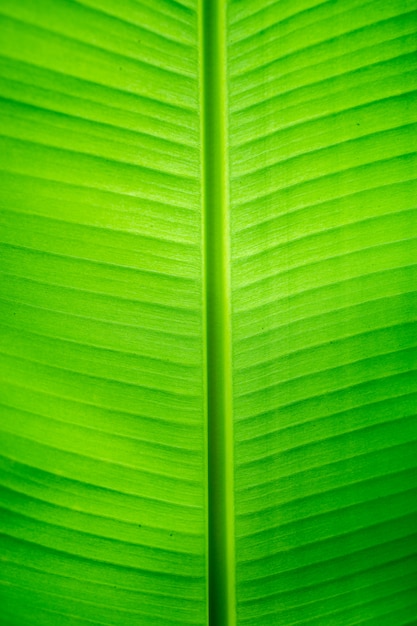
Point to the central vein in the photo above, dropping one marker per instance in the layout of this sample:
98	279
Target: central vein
222	606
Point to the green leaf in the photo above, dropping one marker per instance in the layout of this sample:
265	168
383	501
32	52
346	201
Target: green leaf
208	267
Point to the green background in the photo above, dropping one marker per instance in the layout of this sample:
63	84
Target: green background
187	182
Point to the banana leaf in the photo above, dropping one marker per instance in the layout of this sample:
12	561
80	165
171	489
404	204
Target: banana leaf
207	332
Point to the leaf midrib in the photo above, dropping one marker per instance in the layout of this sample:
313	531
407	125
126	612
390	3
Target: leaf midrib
217	293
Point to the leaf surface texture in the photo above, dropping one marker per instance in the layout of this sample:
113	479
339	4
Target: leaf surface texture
105	311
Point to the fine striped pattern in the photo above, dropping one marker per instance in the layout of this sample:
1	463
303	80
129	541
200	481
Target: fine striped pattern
103	453
323	210
120	139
